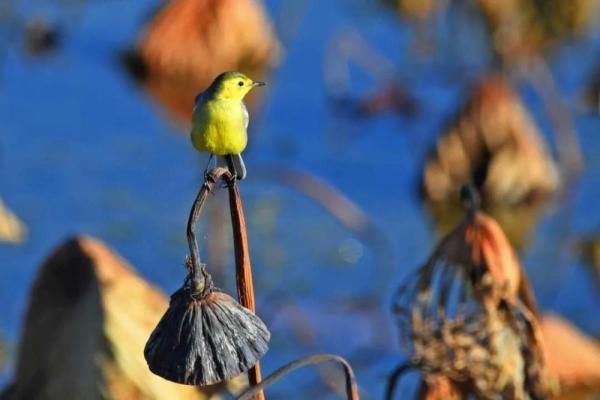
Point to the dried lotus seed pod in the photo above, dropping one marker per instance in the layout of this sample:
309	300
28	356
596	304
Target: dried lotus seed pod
205	337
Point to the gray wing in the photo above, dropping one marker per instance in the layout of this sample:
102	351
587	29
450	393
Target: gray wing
235	164
197	101
200	99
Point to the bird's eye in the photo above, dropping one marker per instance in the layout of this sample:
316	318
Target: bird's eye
240	83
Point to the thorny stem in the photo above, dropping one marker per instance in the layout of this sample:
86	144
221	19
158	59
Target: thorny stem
351	387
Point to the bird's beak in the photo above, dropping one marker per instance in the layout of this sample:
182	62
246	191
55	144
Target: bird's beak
258	83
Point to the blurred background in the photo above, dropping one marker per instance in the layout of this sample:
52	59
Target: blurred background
374	114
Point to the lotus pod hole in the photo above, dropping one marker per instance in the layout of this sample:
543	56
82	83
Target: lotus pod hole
205	338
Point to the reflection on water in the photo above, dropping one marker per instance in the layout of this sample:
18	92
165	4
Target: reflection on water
493	143
188	43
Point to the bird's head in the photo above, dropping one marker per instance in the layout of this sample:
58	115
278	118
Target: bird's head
232	86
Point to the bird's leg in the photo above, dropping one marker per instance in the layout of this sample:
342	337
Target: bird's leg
236	163
208	166
232	169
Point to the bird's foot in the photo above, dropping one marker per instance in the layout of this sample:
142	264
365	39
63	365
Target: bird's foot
228	182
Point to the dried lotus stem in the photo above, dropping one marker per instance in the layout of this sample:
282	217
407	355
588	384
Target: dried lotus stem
394	378
243	268
351	386
210	179
205	336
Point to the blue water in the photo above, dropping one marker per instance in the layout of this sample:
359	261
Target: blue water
85	150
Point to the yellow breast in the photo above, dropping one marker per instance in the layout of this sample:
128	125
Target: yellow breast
219	127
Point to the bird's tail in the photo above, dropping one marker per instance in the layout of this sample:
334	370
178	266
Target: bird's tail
235	164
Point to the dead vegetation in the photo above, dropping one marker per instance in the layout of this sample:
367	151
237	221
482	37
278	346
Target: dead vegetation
469	316
494	143
189	42
89	313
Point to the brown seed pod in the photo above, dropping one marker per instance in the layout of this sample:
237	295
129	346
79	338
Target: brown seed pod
205	337
454	277
470	315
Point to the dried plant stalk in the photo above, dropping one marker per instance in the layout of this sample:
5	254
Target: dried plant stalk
210	179
395	376
244	281
243	268
205	337
351	386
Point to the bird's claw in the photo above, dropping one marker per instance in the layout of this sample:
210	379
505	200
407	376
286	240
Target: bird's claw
229	181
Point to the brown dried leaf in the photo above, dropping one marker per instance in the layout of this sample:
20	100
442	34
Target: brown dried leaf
90	313
189	42
572	357
494	143
492	136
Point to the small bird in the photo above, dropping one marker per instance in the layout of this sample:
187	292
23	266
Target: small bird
220	119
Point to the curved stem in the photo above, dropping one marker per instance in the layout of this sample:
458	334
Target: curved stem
351	387
211	177
390	388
